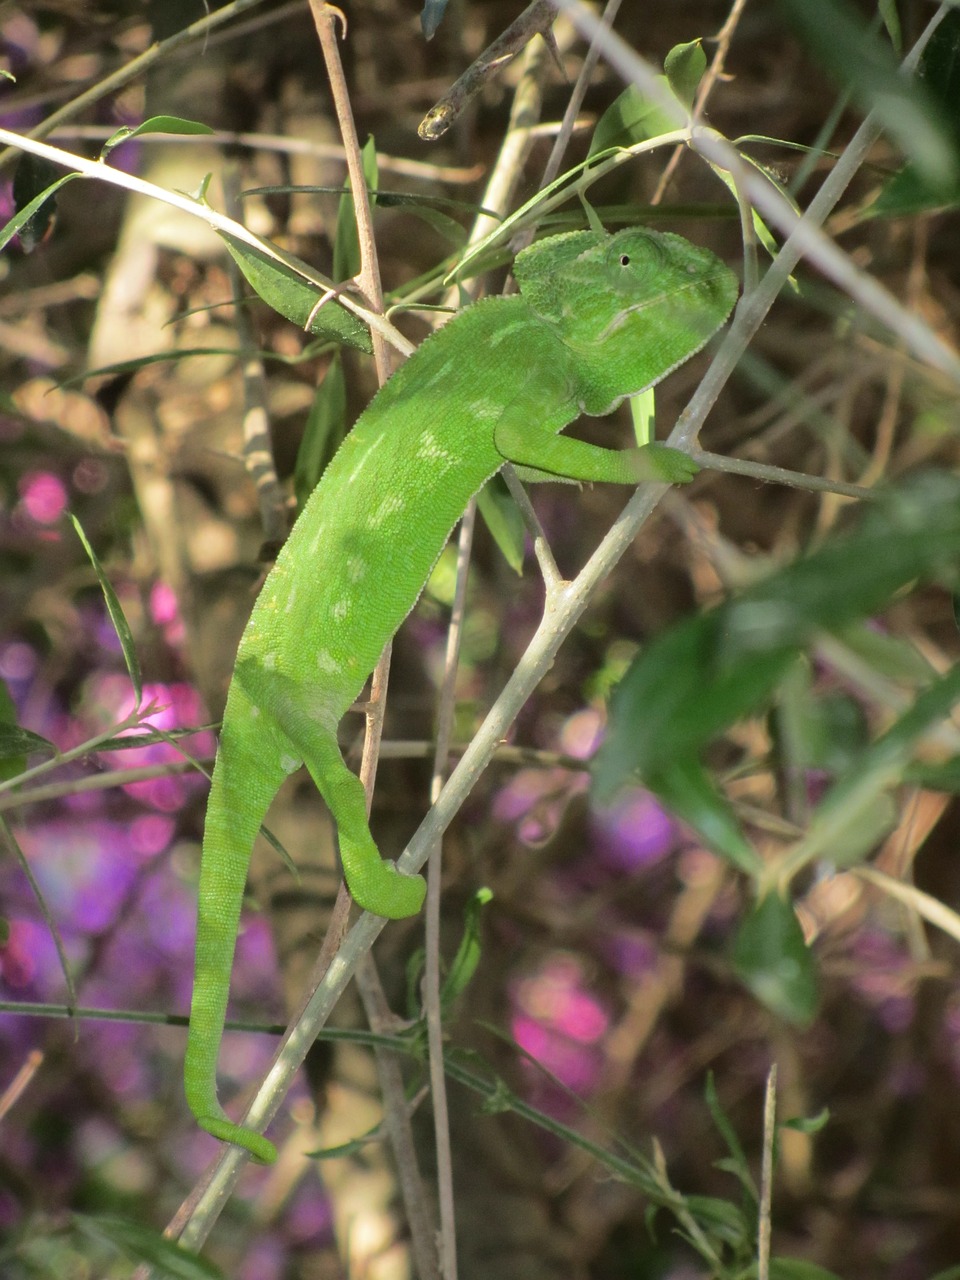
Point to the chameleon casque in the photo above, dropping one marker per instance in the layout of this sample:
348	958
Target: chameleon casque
598	318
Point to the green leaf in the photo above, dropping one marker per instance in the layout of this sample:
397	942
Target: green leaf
911	190
115	611
144	1244
676	697
695	680
295	297
843	43
33	189
13	750
326	427
468	953
808	1124
857	810
686	790
773	961
501	516
738	1164
891	20
908	193
643	415
797	1269
631	118
346	245
723	1218
760	228
684	66
16	743
156	124
818	732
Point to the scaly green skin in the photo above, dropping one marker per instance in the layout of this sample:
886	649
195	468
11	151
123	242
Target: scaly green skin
598	318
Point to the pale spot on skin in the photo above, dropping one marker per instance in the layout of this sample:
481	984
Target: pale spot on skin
269	662
291	600
317	539
503	334
430	451
254	712
484	409
356	568
327	663
340	610
439	374
391	505
365	458
289	763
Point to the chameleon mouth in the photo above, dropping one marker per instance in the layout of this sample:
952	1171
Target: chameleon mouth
710	290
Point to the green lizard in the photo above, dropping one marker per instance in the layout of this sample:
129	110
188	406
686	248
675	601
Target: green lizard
598	318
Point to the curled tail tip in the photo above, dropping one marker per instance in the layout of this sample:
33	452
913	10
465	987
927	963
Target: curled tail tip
261	1148
385	891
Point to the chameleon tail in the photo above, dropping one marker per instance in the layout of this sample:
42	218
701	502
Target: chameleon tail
249	769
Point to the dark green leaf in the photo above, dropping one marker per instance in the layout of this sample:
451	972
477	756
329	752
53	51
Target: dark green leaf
16	743
817	732
326	427
631	118
346	245
13	749
115	611
147	1245
468	953
295	297
797	1269
684	66
687	791
495	503
944	776
707	672
912	190
156	124
857	810
891	20
808	1124
773	961
860	61
738	1164
676	697
724	1219
34	186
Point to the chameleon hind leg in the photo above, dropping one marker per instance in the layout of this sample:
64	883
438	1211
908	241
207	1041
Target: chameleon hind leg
253	759
374	884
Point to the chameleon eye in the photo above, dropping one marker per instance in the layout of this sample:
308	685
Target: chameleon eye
624	259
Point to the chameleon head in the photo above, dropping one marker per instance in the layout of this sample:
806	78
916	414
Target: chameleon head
632	305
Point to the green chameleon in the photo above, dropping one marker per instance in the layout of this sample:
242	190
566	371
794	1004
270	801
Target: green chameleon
598	318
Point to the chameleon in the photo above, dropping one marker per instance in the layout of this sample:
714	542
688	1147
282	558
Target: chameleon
597	318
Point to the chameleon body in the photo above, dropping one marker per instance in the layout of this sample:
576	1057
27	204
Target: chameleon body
598	318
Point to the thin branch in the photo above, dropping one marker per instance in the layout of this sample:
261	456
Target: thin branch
102	172
766	1175
257	447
